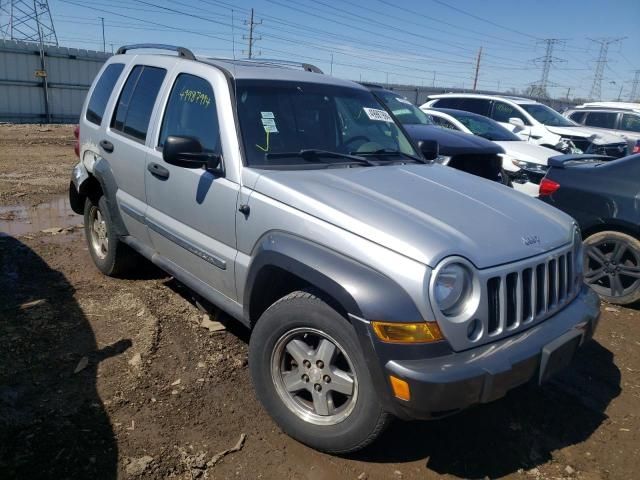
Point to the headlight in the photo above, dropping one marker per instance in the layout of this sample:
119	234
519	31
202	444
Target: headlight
530	166
453	288
578	254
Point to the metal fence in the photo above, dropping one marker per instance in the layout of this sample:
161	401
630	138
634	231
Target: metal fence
44	87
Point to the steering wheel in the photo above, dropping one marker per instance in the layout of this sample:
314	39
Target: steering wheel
356	138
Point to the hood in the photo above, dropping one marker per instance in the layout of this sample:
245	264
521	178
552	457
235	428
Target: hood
425	212
602	138
527	152
452	142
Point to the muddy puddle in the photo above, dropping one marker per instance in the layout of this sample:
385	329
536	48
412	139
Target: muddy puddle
23	219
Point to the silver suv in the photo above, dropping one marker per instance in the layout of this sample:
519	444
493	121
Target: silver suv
376	282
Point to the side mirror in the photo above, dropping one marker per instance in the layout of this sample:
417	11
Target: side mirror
516	122
429	148
187	152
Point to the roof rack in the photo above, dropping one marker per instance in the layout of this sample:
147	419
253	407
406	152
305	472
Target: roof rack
182	52
307	67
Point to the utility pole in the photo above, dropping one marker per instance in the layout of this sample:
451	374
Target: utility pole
433	81
252	38
601	63
620	92
540	88
633	96
331	69
568	92
104	45
475	79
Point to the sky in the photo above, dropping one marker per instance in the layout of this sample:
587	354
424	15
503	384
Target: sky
425	42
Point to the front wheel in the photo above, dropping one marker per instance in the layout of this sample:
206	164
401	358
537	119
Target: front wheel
310	375
612	266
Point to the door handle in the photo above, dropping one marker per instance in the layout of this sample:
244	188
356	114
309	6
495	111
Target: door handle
106	145
158	170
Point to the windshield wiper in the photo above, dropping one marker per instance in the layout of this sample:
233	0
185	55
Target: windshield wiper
389	151
312	155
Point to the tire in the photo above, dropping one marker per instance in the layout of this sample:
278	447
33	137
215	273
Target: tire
110	255
353	421
612	266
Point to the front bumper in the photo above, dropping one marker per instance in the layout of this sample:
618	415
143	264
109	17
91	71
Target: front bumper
447	383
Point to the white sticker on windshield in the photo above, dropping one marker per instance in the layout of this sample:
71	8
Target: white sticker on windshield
269	121
270	128
376	114
403	100
267	115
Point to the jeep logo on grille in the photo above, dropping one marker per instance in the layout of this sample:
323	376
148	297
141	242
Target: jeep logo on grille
531	240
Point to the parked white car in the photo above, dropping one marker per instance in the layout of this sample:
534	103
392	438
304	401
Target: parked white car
524	162
619	118
534	122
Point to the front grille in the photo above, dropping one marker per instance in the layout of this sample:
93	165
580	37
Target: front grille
519	297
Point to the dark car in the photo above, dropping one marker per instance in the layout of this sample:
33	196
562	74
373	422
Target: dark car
459	150
603	197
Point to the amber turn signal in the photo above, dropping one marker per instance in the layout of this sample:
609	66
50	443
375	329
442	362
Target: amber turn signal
400	388
422	332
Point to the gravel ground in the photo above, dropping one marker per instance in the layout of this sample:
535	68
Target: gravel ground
118	378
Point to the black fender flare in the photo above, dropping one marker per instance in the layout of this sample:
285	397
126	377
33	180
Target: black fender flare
104	175
359	289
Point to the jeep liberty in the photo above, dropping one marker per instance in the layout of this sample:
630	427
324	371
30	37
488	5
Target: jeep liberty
377	284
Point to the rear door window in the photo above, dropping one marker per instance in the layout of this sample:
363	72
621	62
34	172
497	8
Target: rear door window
191	112
630	122
601	119
102	92
441	122
502	112
138	96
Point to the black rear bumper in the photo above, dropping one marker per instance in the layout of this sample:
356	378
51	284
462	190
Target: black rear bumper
445	384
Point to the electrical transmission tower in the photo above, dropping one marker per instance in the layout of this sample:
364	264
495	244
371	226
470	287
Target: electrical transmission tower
251	39
635	87
29	21
601	63
539	89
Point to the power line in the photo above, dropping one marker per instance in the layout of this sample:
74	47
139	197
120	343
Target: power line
490	22
596	87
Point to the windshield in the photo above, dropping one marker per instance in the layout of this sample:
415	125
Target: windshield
546	115
405	111
279	117
485	127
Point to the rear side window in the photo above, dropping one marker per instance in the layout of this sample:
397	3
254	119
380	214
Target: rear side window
502	112
102	92
136	101
191	112
578	116
630	123
473	105
601	119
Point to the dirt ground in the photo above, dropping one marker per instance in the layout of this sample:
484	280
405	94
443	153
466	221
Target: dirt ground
117	378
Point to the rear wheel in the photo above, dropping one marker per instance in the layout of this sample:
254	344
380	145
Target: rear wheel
612	266
310	375
110	255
